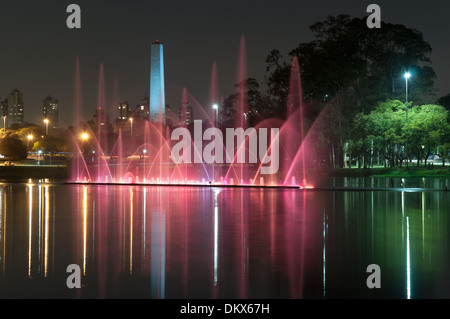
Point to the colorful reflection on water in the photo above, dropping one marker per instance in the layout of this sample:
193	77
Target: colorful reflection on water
188	242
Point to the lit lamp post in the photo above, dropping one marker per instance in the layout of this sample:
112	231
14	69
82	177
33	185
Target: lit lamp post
46	121
39	154
407	76
216	113
29	137
84	138
144	152
131	126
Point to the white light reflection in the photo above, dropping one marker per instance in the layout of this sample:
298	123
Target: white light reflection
324	253
408	261
30	218
2	234
216	234
84	229
47	213
403	215
40	227
131	230
144	208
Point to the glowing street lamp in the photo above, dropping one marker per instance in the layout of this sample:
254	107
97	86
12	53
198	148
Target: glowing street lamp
407	76
39	154
29	137
84	136
144	153
131	123
216	108
46	121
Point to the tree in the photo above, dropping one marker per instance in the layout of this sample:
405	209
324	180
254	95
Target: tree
277	80
13	149
352	67
384	128
33	131
427	129
255	104
388	132
361	143
52	145
444	101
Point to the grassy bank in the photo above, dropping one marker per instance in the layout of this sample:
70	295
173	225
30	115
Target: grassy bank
391	172
24	173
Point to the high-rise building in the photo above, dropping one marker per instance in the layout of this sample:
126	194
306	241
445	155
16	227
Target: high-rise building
185	114
124	110
120	122
101	118
15	107
4	113
144	108
50	111
157	88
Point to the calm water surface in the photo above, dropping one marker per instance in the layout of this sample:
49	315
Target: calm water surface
169	242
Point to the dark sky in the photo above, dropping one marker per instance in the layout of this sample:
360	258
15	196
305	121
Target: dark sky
38	51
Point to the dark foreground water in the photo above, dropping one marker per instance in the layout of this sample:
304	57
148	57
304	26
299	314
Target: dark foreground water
169	242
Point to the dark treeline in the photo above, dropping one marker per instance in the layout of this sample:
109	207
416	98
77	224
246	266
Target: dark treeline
346	72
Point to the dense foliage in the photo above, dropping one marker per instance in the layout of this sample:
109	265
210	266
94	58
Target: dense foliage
353	80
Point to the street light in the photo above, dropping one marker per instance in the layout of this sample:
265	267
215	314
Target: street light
407	76
131	121
29	137
216	108
84	136
39	161
46	121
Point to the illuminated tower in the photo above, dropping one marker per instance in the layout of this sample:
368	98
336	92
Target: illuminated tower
15	107
157	90
50	111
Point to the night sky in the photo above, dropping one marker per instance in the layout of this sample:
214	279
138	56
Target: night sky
38	51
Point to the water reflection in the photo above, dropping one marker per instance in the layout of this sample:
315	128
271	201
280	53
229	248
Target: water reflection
163	242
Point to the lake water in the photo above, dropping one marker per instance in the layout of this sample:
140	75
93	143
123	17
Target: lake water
193	242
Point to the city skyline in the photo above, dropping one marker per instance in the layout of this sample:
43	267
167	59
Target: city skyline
124	47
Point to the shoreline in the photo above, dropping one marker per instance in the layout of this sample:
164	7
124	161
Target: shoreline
25	173
61	173
410	172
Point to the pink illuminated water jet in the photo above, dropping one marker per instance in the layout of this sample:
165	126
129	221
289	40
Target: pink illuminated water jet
140	152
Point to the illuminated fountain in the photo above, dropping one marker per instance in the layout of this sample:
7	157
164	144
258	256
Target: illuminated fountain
151	152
